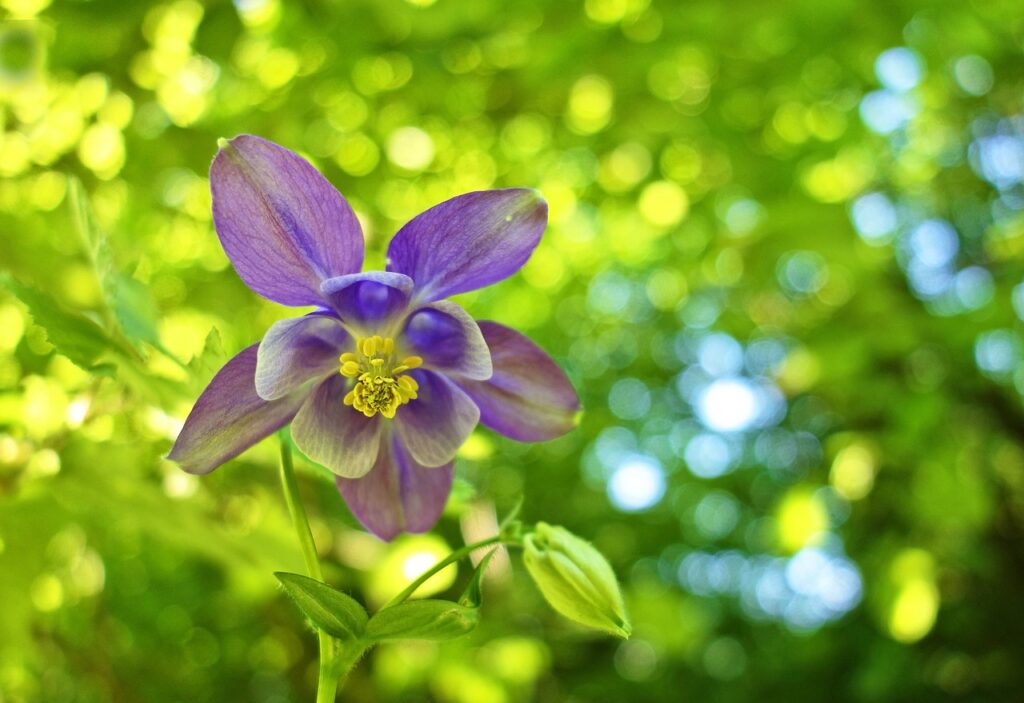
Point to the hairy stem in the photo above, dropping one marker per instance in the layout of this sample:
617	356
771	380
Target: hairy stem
327	683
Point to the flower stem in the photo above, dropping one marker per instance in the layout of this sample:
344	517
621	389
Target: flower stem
298	512
327	683
450	559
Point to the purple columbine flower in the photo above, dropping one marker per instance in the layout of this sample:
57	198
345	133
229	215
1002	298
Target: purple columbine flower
385	379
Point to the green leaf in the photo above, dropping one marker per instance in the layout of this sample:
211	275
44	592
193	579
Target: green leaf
473	595
422	620
206	363
93	241
135	309
74	335
329	610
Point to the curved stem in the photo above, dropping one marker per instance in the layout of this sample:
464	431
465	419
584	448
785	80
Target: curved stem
450	559
327	683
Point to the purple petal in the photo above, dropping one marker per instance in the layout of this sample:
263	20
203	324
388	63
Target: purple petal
398	494
469	242
333	434
370	300
434	425
230	417
283	226
296	351
528	398
447	339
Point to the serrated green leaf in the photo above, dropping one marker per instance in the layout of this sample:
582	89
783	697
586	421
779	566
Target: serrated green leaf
473	595
71	333
422	620
328	609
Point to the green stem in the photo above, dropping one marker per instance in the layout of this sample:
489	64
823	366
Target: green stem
450	559
327	683
298	512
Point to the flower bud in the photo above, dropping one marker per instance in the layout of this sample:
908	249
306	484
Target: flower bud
575	579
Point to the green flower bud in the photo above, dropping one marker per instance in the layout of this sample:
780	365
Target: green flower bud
575	579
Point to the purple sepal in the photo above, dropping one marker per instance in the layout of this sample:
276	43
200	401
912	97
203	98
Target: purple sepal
468	242
529	398
229	417
282	224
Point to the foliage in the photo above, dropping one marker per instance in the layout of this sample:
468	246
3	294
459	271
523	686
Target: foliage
782	267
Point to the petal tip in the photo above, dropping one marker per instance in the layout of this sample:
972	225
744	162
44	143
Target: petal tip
175	456
531	199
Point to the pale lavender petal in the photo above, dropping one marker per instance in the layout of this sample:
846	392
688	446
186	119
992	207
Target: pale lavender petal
469	242
335	435
282	224
528	398
398	495
297	351
433	426
230	417
368	301
448	340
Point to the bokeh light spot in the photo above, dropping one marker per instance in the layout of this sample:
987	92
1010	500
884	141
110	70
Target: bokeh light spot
637	484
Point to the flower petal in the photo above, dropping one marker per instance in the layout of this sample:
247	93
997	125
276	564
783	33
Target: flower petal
229	417
368	301
434	425
447	339
398	494
296	351
333	434
529	397
283	226
469	242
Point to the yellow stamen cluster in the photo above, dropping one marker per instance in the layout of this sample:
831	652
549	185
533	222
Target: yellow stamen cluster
380	386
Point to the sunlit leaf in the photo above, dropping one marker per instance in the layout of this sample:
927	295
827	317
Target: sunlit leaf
136	310
72	334
422	620
473	594
328	609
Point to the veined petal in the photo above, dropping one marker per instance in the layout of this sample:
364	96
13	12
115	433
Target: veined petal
229	417
434	425
368	301
296	351
282	225
468	242
398	494
447	339
529	398
333	434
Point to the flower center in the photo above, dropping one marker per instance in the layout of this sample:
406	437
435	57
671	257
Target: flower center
380	386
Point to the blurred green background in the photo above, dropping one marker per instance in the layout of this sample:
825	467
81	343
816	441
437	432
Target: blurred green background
783	269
